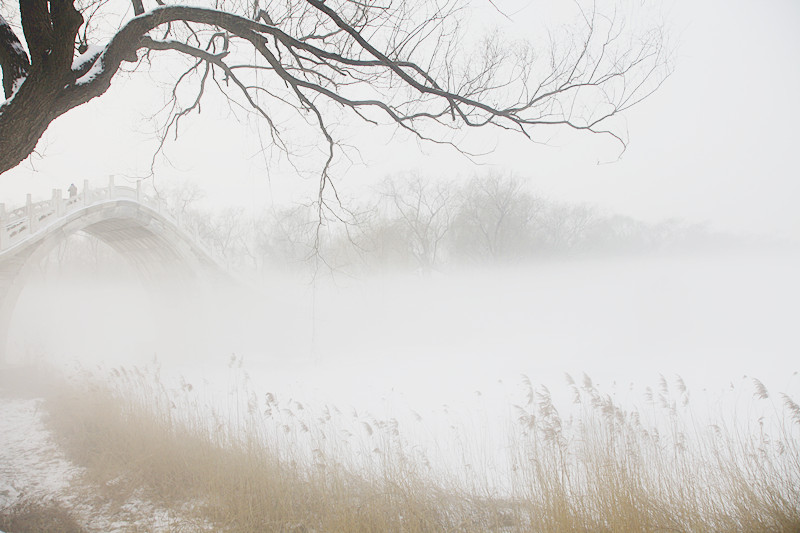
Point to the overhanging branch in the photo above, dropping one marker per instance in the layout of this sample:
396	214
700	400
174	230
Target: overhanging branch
320	52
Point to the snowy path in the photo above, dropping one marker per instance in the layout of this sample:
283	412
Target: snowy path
33	467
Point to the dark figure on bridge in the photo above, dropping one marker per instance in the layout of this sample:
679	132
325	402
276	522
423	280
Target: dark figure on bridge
73	190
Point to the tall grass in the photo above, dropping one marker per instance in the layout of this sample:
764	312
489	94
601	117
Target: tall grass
258	463
35	516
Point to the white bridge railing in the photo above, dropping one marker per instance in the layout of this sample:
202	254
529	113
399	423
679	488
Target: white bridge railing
19	224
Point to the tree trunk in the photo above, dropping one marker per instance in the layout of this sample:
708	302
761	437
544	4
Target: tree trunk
24	121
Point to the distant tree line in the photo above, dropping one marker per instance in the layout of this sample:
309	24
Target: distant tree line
410	223
417	223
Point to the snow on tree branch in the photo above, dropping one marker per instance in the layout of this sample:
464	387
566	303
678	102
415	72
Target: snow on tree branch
400	62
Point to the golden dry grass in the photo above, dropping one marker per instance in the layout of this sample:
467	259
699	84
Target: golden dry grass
267	466
37	516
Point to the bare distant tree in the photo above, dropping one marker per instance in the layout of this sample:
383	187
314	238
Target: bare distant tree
495	217
618	233
181	201
251	243
298	64
565	227
424	210
383	243
288	235
225	233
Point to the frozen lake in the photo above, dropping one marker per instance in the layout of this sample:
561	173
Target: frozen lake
709	318
441	358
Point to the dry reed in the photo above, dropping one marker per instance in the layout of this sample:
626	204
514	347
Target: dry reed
260	464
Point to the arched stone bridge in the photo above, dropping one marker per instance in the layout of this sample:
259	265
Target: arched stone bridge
134	225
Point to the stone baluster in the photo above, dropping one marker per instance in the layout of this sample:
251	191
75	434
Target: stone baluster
110	186
58	202
85	193
29	213
139	191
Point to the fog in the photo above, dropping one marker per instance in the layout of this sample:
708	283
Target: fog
710	317
443	355
672	258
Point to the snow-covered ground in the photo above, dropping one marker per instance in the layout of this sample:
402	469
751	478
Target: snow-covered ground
709	317
31	465
33	468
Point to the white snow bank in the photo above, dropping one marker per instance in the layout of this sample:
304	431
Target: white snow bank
30	463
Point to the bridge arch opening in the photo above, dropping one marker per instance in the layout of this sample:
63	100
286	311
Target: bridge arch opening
85	301
166	261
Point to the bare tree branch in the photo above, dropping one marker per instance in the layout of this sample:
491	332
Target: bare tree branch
389	63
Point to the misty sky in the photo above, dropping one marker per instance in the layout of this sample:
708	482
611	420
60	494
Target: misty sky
717	143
